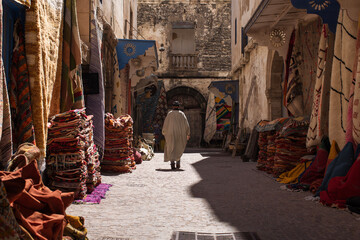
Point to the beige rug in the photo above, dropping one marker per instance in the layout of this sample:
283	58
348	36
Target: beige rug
42	42
341	77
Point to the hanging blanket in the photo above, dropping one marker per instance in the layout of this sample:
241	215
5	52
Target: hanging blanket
319	115
210	122
5	121
20	103
95	102
341	77
72	96
160	114
353	130
42	45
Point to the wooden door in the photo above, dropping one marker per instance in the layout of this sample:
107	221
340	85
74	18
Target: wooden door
196	129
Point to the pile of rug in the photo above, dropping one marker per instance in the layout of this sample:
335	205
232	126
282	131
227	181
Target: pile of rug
271	150
72	163
268	132
118	154
290	145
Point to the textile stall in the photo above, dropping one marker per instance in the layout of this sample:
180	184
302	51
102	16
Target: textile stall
118	154
72	162
225	95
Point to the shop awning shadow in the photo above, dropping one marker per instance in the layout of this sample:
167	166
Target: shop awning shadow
243	197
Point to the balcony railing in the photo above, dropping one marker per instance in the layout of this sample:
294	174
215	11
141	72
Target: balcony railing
183	61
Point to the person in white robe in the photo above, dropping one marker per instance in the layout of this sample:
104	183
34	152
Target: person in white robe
176	131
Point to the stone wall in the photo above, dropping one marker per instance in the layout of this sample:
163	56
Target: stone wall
211	24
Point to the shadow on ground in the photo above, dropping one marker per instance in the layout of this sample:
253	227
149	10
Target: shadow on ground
253	202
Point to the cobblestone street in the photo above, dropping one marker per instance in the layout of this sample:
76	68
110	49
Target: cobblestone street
212	193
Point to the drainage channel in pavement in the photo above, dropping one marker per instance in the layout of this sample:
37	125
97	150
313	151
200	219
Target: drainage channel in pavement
179	235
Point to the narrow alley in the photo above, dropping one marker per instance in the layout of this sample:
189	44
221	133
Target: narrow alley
211	193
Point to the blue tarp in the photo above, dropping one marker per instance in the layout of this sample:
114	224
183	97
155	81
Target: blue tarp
328	10
127	49
230	88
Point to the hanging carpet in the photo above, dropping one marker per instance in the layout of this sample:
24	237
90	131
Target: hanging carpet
341	77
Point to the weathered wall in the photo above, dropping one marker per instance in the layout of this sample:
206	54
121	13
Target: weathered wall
116	12
254	64
257	108
235	46
212	29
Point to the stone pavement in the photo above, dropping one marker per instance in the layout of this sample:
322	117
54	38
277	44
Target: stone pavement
213	193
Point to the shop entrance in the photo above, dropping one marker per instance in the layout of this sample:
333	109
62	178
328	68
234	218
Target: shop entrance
274	92
193	104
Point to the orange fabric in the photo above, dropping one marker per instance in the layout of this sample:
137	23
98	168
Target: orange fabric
37	208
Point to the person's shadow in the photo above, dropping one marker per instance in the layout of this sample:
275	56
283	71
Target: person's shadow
169	170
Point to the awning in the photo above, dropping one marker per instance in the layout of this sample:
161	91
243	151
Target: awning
228	90
128	49
274	13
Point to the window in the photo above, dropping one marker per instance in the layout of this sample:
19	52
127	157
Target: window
235	27
244	40
131	25
183	38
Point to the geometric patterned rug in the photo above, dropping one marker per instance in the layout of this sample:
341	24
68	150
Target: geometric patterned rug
179	235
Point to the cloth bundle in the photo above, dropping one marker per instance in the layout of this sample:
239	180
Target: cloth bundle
290	145
118	154
72	163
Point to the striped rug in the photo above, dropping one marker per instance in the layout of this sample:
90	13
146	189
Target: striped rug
95	102
72	96
20	102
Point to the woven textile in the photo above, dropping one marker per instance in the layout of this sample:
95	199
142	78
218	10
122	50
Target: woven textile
95	102
72	162
118	153
20	103
72	96
301	69
5	121
353	128
160	114
9	228
42	45
319	114
210	122
341	77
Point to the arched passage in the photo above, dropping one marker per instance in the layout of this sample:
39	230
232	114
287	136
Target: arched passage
274	90
193	104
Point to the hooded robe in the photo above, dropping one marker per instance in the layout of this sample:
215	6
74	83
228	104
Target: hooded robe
175	129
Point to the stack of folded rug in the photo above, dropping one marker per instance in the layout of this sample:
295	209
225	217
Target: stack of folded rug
290	145
118	154
72	163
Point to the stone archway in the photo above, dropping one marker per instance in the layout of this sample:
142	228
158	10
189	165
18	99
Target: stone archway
274	89
193	104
